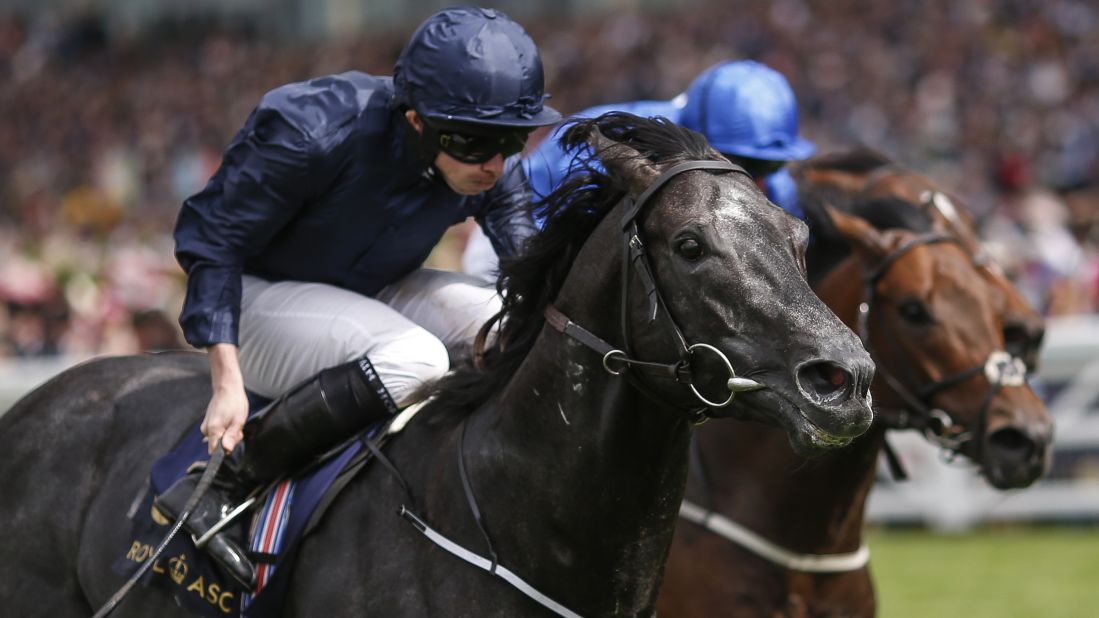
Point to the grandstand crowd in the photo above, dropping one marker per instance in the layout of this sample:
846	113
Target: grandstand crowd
104	133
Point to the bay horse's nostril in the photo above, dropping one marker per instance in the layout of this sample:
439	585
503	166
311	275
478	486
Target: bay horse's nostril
1011	444
826	382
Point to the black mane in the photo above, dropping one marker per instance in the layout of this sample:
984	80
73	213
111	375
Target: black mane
571	213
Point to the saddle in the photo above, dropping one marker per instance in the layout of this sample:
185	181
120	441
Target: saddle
288	510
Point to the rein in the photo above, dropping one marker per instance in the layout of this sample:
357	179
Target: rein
617	360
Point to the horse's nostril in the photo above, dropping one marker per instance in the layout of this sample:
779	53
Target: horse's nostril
825	382
1012	442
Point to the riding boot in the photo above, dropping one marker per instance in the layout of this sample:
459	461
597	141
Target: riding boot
306	422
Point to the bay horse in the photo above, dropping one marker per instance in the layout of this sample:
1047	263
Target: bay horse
863	174
940	323
563	465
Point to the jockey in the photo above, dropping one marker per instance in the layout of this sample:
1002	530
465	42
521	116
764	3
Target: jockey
745	109
303	253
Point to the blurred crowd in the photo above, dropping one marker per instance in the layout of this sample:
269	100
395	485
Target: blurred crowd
104	134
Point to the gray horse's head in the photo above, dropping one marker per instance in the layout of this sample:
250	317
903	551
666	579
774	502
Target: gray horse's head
729	268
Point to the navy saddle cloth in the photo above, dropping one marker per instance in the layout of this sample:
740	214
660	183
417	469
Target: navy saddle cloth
273	529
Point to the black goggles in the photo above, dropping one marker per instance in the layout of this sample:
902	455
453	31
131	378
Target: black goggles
481	148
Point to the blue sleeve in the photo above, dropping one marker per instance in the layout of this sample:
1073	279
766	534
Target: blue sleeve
783	192
263	181
549	165
506	216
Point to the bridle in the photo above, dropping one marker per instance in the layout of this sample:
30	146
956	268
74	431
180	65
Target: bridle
617	360
919	411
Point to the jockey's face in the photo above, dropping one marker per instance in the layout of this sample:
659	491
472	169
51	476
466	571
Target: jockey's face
469	178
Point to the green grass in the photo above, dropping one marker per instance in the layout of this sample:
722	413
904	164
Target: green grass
1014	572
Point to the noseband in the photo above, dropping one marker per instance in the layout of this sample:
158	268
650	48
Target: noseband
617	360
1000	369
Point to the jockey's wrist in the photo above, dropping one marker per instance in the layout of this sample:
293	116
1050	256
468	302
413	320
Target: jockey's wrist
225	373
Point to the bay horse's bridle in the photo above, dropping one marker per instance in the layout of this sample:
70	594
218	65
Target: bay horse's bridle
617	360
919	412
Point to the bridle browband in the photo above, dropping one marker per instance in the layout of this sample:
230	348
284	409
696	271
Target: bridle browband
919	412
617	360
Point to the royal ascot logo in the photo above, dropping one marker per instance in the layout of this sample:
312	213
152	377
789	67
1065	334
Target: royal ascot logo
177	568
210	591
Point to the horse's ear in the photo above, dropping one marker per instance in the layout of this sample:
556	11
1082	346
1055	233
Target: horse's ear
952	220
864	239
623	163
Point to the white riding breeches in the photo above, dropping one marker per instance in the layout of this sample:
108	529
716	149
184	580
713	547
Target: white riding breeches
479	258
291	330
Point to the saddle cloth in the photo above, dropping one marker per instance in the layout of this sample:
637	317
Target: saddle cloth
274	531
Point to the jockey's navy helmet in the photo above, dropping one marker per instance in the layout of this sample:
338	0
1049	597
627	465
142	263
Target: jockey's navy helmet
473	67
746	109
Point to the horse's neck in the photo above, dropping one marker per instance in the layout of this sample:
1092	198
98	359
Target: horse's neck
593	470
593	474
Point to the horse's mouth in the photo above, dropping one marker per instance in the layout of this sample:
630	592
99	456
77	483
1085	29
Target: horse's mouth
806	437
821	438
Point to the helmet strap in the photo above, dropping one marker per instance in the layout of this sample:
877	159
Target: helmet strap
425	143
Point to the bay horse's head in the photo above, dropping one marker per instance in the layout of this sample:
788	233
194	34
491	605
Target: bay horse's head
862	174
714	284
938	323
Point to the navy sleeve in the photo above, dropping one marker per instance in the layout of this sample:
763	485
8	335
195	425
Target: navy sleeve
505	214
264	179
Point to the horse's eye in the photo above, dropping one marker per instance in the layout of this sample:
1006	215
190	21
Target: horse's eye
915	312
690	249
1023	342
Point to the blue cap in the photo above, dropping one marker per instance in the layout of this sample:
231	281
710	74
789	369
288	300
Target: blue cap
747	109
468	65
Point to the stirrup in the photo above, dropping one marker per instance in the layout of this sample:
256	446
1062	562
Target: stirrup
201	541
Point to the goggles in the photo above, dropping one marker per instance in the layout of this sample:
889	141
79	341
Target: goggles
481	148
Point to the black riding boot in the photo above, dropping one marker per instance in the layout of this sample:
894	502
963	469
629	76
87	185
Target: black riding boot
293	430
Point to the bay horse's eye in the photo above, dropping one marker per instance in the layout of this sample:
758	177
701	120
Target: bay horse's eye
690	249
915	311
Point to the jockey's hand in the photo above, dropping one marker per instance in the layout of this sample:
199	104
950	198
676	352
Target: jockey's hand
225	418
228	407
